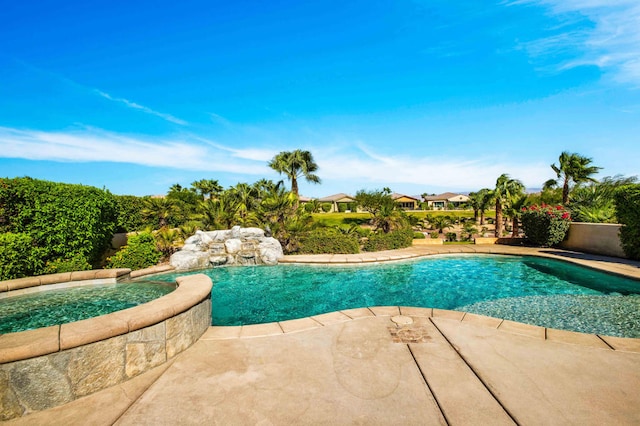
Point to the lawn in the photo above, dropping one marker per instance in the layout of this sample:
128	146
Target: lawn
337	219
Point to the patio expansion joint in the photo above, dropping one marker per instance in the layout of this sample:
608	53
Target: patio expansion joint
605	342
426	382
511	416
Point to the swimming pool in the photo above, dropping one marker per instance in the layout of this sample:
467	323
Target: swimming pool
532	290
51	307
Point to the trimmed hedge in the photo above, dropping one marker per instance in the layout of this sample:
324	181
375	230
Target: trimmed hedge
64	221
627	200
328	241
389	241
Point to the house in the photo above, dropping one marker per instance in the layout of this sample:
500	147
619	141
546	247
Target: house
443	201
339	202
406	202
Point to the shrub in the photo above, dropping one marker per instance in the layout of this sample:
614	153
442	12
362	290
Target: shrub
63	220
389	241
452	236
545	225
342	207
17	256
418	236
627	201
326	207
139	253
327	240
129	210
434	235
77	262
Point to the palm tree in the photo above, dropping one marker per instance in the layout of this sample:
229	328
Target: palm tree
294	165
480	202
514	211
159	209
506	190
207	188
245	197
440	222
573	167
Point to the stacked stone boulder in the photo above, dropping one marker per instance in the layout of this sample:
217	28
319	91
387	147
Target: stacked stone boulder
235	246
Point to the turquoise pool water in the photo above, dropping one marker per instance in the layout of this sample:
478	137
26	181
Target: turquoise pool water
526	289
53	307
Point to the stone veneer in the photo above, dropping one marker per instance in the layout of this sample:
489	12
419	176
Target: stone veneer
51	366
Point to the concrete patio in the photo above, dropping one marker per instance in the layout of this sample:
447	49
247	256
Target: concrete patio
383	365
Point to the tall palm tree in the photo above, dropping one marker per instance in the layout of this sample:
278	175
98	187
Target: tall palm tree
514	211
573	167
245	197
506	190
295	164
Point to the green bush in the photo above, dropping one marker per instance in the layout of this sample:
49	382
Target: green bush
418	236
627	201
452	236
139	253
342	207
327	240
326	207
389	241
77	262
63	220
434	235
17	256
544	225
129	210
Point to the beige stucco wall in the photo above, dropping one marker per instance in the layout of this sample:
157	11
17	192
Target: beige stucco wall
596	238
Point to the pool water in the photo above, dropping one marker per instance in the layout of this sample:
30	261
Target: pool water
527	289
51	307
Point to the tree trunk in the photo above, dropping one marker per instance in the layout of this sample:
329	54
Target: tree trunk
565	192
475	215
481	217
516	227
294	189
498	231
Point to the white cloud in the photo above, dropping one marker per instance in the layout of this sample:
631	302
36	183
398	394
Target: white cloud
347	163
428	171
167	117
612	43
89	145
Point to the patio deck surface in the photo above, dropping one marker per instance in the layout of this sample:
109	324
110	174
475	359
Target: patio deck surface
383	365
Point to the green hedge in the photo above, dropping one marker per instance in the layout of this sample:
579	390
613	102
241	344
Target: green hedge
627	200
64	221
139	253
328	240
129	209
390	241
17	256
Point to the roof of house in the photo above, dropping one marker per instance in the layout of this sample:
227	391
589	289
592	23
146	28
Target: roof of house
336	197
443	196
395	196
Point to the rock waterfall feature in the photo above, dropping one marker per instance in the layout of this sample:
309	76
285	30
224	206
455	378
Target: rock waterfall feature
235	246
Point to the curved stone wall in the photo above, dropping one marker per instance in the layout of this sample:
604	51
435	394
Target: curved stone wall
51	366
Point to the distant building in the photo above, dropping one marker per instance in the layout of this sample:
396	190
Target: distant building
442	201
337	200
406	202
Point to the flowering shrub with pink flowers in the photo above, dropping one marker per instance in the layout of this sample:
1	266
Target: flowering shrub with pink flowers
545	225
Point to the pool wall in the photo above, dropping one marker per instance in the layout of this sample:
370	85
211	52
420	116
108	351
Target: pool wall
51	366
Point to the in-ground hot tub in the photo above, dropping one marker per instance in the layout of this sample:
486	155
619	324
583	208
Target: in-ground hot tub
50	366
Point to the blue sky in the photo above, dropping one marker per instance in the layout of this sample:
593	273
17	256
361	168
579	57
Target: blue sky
418	96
